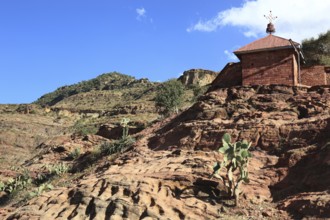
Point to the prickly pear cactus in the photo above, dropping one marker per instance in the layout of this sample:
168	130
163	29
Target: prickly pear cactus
124	123
235	158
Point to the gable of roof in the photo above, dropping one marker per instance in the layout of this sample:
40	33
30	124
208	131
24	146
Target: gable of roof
270	42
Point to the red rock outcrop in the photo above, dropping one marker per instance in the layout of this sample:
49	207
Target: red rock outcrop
167	174
146	184
291	122
197	77
274	118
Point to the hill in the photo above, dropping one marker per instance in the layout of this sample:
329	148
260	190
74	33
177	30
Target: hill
89	107
101	103
166	173
23	128
68	156
106	82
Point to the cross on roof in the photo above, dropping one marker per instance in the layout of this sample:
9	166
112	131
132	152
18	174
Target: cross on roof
270	17
270	26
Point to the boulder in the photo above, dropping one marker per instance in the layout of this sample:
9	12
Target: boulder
197	77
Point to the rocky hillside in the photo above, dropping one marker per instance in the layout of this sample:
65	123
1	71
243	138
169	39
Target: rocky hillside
94	106
105	100
146	184
105	82
22	128
292	124
88	107
100	100
198	77
275	118
166	174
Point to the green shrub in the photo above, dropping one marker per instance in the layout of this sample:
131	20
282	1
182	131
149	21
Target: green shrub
107	81
169	96
80	128
19	183
198	91
75	153
121	145
2	186
57	169
317	50
41	178
235	157
118	146
41	189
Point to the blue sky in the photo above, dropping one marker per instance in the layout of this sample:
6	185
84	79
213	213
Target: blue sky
48	44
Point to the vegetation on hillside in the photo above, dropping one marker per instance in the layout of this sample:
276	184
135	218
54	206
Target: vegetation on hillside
121	145
112	96
107	81
235	157
169	96
317	50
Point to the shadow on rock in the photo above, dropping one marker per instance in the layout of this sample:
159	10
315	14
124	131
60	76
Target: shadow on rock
305	191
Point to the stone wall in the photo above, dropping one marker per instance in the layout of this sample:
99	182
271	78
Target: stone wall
327	73
269	67
314	75
231	75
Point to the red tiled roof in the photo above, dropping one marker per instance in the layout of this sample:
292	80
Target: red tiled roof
266	43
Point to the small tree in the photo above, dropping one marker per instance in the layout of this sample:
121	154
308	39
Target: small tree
198	91
235	156
169	96
317	50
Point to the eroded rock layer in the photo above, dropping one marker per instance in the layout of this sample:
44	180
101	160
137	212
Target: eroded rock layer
274	118
147	184
167	174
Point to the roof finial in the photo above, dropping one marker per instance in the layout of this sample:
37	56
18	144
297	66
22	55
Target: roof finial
270	26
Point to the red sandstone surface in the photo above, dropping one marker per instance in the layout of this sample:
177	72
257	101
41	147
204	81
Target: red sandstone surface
166	175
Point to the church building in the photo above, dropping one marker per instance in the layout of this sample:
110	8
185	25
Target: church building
271	60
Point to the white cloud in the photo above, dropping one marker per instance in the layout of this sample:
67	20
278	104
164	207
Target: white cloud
230	56
297	19
141	12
